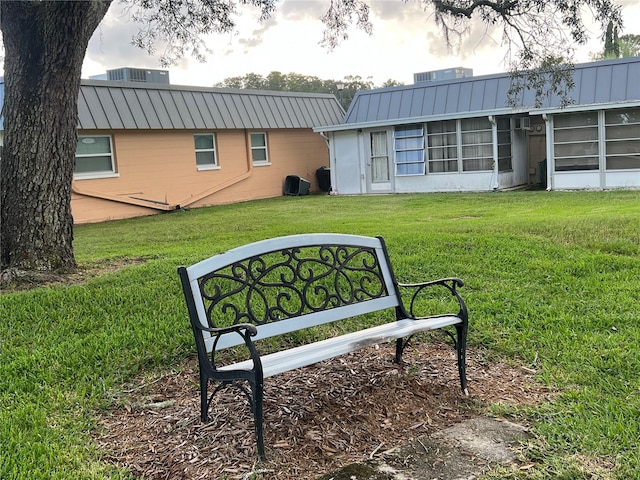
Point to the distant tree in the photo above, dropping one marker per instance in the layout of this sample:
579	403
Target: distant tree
232	82
629	45
617	47
276	81
611	42
45	44
295	82
253	81
391	83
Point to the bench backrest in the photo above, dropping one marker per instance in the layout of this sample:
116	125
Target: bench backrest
284	284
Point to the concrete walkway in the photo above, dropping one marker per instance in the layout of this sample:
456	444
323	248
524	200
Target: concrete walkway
462	452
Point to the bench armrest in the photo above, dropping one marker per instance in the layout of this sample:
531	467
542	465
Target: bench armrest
450	283
246	331
250	329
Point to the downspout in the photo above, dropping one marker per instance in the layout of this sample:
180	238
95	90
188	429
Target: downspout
158	205
362	163
137	201
494	142
326	139
549	145
229	183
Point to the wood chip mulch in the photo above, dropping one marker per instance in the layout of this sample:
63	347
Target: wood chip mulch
317	419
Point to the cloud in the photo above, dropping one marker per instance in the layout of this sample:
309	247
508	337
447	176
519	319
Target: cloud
302	10
111	47
400	11
257	35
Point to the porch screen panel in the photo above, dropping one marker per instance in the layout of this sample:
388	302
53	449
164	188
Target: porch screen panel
504	144
442	146
409	150
477	144
575	142
379	157
622	137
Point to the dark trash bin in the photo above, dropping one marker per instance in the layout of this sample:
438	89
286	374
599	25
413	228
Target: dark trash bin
542	168
294	185
323	175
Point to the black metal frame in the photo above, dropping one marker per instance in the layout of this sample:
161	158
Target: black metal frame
459	339
308	280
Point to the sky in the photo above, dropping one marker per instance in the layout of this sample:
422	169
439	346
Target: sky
405	40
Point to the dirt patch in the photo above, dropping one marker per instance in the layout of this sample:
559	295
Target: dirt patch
317	419
14	280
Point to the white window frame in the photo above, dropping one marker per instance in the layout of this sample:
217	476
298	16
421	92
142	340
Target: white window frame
580	135
208	166
484	156
433	138
612	140
98	173
259	163
418	148
505	155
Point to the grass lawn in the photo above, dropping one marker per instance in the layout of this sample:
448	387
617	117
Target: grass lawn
552	282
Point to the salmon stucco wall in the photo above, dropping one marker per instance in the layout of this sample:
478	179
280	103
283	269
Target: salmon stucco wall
156	171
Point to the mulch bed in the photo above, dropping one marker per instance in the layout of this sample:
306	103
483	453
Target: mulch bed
317	419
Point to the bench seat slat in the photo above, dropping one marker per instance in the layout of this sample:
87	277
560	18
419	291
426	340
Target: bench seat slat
304	355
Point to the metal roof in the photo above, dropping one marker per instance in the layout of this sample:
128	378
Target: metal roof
596	84
113	105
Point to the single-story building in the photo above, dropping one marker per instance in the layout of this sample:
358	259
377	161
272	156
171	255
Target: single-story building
461	135
145	148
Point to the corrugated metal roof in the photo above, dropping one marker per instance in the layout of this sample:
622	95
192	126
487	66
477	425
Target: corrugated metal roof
596	83
104	105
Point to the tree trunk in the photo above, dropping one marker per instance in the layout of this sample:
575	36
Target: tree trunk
45	44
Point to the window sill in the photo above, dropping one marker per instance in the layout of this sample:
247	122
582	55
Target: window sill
204	168
95	176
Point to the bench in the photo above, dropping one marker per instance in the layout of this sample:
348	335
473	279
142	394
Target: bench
282	285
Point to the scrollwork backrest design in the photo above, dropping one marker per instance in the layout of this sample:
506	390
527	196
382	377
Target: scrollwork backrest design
291	282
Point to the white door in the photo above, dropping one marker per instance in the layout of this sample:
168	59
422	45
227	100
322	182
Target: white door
379	163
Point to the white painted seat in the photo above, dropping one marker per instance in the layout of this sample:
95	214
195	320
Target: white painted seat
311	353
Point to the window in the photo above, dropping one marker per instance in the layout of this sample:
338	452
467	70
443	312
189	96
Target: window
443	146
504	144
259	148
409	148
94	157
575	142
622	137
477	144
205	145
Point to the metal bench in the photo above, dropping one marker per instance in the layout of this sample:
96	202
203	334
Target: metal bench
281	285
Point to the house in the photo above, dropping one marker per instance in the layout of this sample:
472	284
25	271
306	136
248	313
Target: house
461	135
145	148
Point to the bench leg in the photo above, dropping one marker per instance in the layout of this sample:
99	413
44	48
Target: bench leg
461	349
401	344
257	387
204	397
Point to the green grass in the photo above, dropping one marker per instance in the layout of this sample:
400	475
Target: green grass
552	281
